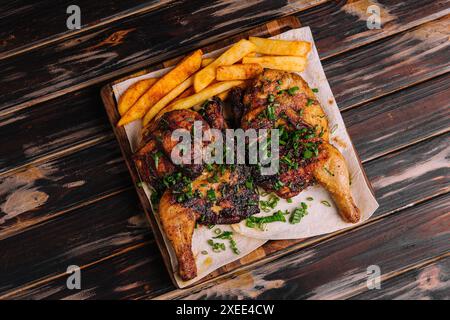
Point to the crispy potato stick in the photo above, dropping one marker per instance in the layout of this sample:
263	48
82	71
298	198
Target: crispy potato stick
235	53
286	63
188	92
238	72
206	61
281	47
167	99
201	96
133	93
167	83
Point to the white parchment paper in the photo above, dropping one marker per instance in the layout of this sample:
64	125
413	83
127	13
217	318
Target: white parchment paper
320	219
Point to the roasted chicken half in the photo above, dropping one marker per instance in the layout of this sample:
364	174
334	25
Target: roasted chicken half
197	193
284	100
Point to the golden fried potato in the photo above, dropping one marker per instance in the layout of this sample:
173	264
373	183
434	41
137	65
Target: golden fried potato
133	93
167	99
201	96
235	53
163	86
286	63
238	72
281	47
206	61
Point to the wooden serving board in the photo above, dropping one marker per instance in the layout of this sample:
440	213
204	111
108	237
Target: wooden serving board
268	251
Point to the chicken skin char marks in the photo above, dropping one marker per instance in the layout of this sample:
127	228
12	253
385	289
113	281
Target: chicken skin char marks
283	100
204	194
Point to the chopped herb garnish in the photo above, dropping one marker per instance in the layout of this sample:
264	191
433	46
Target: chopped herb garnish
280	82
260	222
211	226
271	98
278	185
270	112
249	183
307	154
298	214
217	231
315	90
216	246
156	156
310	198
309	102
228	235
211	195
333	128
325	203
292	90
289	200
269	204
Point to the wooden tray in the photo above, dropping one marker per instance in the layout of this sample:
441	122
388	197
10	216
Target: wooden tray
268	250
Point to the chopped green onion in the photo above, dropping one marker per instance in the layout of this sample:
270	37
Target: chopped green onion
260	222
325	203
310	198
292	90
298	214
315	90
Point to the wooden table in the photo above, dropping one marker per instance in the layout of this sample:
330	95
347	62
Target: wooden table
66	197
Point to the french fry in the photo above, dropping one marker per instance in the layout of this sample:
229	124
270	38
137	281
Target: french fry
163	86
133	93
235	53
201	96
281	47
238	71
181	91
188	92
206	61
287	63
167	99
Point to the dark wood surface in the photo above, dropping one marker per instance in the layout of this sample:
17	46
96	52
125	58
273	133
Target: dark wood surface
66	196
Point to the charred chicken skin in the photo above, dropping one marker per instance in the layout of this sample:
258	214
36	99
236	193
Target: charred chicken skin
284	100
204	194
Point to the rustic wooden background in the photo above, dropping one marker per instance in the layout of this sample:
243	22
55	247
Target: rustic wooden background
66	196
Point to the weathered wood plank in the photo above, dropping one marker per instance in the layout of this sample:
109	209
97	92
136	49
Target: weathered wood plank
400	119
422	176
389	65
111	51
60	124
29	24
337	269
429	282
329	19
85	235
37	193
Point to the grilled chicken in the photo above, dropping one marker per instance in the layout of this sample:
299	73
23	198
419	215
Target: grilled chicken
193	193
284	100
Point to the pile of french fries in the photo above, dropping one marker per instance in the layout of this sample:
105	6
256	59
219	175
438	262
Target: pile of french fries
196	79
